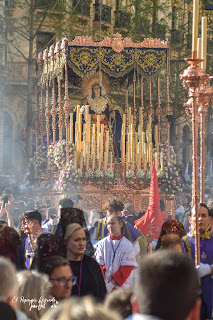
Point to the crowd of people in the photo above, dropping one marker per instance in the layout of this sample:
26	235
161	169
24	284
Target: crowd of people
61	263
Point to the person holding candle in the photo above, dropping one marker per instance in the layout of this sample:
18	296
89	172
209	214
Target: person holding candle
115	254
205	269
86	269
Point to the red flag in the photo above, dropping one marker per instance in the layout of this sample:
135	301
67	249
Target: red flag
150	224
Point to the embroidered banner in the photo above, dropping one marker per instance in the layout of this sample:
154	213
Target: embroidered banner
85	60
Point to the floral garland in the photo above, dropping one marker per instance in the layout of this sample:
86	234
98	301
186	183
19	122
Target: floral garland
69	177
57	153
40	159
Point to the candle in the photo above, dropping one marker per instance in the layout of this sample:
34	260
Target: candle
71	127
133	160
141	118
87	159
98	131
199	48
93	162
78	111
204	42
144	162
127	160
161	161
105	161
87	113
156	135
195	24
129	115
110	160
157	160
75	159
107	145
89	129
101	147
81	160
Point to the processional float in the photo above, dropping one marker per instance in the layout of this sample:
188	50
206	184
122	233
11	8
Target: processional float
137	68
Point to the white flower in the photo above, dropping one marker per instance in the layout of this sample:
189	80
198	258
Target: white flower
130	175
140	174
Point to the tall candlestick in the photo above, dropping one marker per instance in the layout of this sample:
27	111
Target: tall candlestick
204	42
195	25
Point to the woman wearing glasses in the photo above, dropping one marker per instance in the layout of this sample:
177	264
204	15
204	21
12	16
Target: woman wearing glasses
115	255
89	276
61	277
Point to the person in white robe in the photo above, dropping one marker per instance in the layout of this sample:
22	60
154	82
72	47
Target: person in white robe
116	256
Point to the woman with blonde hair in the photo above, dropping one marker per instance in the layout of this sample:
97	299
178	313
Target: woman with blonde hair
78	309
34	293
86	269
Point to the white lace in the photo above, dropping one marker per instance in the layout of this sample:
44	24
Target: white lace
98	104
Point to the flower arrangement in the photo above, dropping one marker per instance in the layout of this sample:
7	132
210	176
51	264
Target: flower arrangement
57	153
159	174
40	158
68	177
98	175
89	175
109	175
140	175
130	175
170	181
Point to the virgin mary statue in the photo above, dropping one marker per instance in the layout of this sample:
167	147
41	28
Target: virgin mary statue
101	104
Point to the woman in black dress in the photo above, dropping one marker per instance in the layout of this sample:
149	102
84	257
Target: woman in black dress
85	268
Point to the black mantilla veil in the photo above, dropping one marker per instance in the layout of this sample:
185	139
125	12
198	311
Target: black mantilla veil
10	246
48	245
74	215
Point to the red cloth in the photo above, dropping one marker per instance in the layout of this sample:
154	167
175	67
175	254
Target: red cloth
122	274
103	269
116	238
150	224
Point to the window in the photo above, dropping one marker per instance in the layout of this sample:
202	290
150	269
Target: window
44	39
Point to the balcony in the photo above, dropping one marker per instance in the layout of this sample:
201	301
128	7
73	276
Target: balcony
57	5
9	3
122	19
102	11
81	7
